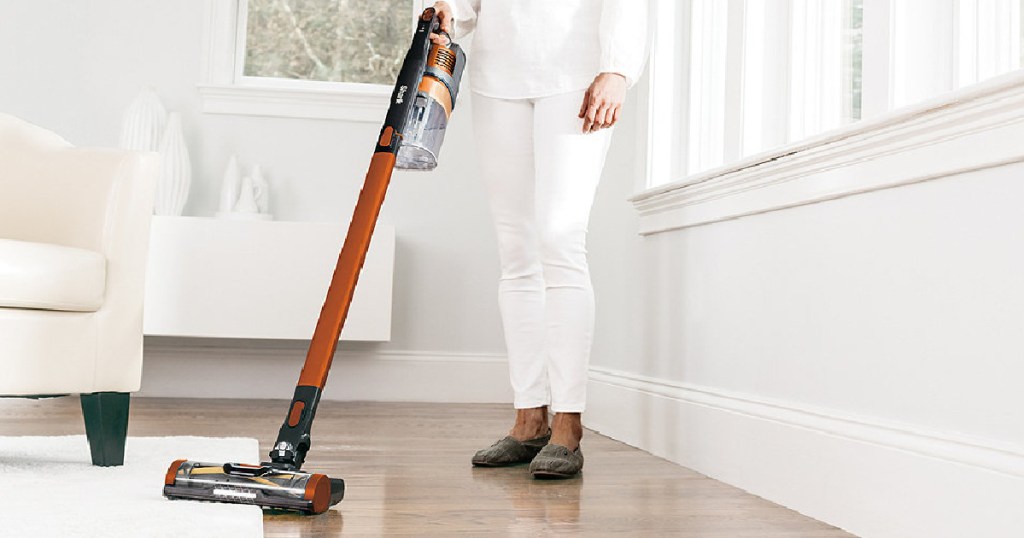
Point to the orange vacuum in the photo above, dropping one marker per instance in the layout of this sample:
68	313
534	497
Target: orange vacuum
421	105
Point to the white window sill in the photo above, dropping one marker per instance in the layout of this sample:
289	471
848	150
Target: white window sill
972	129
357	102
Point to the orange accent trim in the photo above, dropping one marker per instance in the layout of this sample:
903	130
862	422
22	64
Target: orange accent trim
318	490
172	472
428	14
346	272
385	136
296	414
436	89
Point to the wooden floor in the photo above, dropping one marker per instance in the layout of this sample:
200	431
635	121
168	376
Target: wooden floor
407	470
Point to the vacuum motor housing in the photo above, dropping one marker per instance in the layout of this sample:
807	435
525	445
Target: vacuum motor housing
433	102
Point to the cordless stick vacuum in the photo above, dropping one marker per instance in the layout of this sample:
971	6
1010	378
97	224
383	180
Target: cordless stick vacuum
411	137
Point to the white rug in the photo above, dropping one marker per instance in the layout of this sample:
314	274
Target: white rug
48	487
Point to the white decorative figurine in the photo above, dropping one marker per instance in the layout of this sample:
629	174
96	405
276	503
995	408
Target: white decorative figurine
244	197
261	189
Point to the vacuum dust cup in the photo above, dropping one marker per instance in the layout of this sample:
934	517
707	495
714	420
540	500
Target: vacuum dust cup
423	135
423	132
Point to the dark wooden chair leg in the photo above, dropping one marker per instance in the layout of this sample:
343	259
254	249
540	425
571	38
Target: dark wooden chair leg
106	426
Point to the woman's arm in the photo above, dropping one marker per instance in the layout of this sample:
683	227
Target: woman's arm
623	35
623	41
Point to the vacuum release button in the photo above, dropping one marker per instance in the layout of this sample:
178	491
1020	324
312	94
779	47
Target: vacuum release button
385	136
296	414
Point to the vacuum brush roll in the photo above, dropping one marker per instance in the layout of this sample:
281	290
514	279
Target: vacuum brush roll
261	485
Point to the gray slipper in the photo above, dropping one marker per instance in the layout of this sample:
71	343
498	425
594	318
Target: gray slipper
557	461
510	451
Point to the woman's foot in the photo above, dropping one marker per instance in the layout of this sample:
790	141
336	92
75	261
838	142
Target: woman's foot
567	430
556	461
528	436
510	451
562	457
531	423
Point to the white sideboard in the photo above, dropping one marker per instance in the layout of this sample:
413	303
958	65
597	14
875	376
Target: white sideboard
259	279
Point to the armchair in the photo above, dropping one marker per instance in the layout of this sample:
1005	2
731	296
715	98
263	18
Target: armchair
74	233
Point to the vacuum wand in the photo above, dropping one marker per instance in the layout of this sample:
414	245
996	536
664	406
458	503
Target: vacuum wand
410	138
421	105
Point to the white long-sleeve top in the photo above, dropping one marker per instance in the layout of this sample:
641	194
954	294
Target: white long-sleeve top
535	48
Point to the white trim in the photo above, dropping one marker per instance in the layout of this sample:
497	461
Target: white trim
224	90
876	67
816	67
987	39
667	92
219	39
956	133
923	50
948	447
735	49
708	83
367	104
205	368
233	348
871	477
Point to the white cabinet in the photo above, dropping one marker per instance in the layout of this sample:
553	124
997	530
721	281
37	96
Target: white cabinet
250	279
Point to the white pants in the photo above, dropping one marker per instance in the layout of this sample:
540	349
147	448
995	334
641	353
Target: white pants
541	173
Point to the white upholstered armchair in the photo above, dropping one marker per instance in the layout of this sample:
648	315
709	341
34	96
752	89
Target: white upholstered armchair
74	232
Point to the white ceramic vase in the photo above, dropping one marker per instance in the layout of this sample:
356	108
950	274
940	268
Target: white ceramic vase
176	176
143	123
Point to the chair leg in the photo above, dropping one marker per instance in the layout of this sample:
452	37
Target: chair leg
106	426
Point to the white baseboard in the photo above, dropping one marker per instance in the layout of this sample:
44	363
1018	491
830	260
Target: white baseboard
871	478
270	371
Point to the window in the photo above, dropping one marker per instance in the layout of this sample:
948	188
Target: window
755	76
360	41
764	73
324	59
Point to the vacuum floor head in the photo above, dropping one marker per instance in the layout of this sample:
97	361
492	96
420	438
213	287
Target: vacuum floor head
261	485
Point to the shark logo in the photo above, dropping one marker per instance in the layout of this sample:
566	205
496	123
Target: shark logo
401	95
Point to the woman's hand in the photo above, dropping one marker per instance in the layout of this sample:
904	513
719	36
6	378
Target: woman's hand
603	101
445	17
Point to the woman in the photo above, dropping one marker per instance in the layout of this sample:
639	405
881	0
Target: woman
548	81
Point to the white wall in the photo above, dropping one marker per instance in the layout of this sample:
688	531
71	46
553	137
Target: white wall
73	67
858	359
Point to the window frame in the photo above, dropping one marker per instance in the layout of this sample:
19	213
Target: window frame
828	164
224	89
893	77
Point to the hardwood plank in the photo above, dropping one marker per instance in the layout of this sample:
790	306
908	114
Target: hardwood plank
407	472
